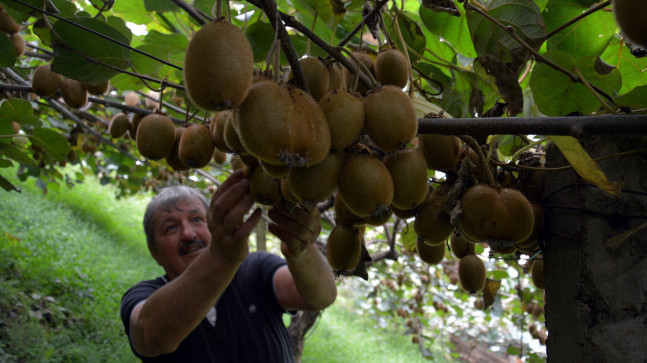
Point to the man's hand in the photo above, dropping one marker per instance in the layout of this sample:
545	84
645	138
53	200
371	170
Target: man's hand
296	226
229	233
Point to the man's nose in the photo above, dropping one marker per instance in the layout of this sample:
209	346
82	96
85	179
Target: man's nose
188	233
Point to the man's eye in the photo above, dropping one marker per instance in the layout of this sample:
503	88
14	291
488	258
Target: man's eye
198	219
170	228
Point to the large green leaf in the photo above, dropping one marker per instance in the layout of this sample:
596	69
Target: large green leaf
452	28
74	45
160	5
555	93
260	36
16	154
412	35
588	36
8	53
170	47
53	142
328	11
631	69
134	11
522	15
16	109
636	98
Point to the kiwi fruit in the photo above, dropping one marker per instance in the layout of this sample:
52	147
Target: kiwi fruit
73	92
277	171
15	127
316	75
344	215
173	159
378	219
440	151
365	185
390	118
237	163
134	124
217	126
409	173
313	135
629	16
131	99
391	67
537	274
490	213
264	188
403	213
155	136
287	193
430	254
432	222
219	157
151	102
344	247
19	44
266	122
45	82
471	272
196	146
531	244
97	89
119	124
336	80
365	59
318	182
218	66
7	24
531	183
460	246
344	113
232	139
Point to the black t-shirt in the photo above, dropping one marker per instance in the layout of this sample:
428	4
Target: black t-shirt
248	321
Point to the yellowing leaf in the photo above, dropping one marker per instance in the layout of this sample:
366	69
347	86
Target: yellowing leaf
584	165
489	292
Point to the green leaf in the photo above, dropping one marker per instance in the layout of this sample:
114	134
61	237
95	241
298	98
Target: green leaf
555	93
16	109
8	53
17	154
6	185
584	165
120	25
412	34
53	142
509	144
636	98
260	36
631	68
134	11
324	10
159	5
498	274
75	45
65	7
588	36
408	238
522	15
453	29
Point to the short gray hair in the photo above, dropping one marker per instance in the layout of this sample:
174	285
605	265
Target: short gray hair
168	198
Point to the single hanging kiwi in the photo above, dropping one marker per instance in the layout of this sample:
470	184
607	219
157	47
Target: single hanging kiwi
316	75
218	66
336	78
219	157
460	246
7	24
344	113
231	137
277	171
318	182
45	82
430	254
217	126
367	60
155	136
313	134
264	188
365	185
73	92
119	124
97	89
196	146
19	43
173	159
343	215
432	221
471	272
629	15
409	173
391	67
390	118
440	151
537	273
344	247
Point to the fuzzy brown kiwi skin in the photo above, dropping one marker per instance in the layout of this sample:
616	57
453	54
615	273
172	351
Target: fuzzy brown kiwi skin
390	118
430	254
344	112
196	146
19	43
365	185
313	135
155	136
264	188
218	66
318	182
173	159
432	221
219	157
7	24
316	75
440	151
97	89
344	247
45	82
392	67
232	139
471	272
217	126
73	92
119	124
368	61
409	173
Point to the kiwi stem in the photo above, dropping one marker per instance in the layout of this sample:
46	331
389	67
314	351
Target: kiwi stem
361	66
578	18
405	50
475	146
527	147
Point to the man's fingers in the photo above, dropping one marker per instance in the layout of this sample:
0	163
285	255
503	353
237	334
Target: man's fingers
296	219
234	178
229	200
246	228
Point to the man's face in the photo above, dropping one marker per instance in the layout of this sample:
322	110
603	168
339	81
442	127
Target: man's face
180	235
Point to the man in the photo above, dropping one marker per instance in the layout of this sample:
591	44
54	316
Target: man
217	302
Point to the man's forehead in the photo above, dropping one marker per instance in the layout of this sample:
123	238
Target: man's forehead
189	204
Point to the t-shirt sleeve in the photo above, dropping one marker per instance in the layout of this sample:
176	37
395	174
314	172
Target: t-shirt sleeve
134	296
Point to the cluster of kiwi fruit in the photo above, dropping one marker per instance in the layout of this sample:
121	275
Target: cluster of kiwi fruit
47	83
9	26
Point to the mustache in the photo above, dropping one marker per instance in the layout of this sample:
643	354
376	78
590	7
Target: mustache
191	244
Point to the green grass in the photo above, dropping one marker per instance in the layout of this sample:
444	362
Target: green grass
67	257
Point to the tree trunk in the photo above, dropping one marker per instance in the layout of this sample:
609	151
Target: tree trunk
299	326
596	289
